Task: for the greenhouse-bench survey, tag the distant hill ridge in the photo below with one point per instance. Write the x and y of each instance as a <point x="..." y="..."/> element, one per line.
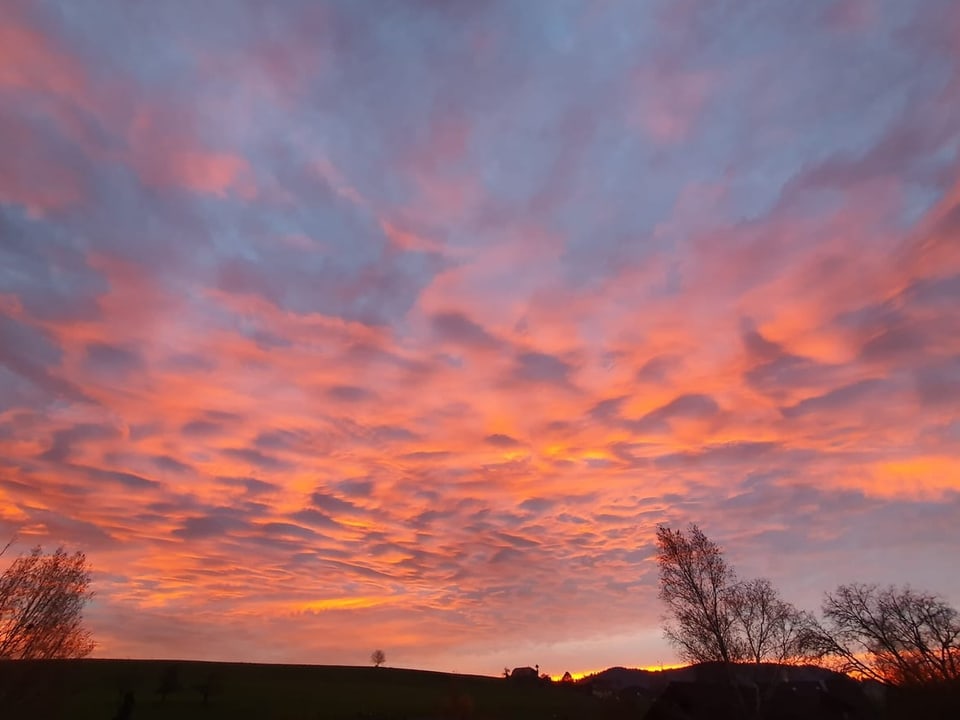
<point x="620" y="678"/>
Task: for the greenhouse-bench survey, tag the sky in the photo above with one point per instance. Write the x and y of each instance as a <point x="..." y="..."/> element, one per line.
<point x="333" y="326"/>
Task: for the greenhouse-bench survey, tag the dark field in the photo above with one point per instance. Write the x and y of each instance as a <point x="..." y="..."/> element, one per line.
<point x="95" y="689"/>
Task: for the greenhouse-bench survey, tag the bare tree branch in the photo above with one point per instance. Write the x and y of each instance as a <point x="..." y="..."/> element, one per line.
<point x="894" y="635"/>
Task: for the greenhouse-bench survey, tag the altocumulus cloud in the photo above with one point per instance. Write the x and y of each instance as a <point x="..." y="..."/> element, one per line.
<point x="406" y="328"/>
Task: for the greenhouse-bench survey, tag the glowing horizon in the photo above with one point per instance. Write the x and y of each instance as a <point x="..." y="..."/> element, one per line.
<point x="326" y="329"/>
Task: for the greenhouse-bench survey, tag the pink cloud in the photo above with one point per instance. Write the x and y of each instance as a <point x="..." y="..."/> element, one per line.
<point x="32" y="173"/>
<point x="29" y="61"/>
<point x="851" y="15"/>
<point x="669" y="102"/>
<point x="36" y="75"/>
<point x="164" y="154"/>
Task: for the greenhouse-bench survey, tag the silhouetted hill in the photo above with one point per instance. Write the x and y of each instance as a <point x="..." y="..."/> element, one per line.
<point x="99" y="690"/>
<point x="716" y="691"/>
<point x="620" y="678"/>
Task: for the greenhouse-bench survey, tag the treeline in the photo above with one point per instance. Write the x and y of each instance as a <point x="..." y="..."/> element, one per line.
<point x="893" y="635"/>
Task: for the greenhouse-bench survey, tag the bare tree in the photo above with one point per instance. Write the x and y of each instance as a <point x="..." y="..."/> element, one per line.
<point x="41" y="606"/>
<point x="378" y="658"/>
<point x="715" y="617"/>
<point x="767" y="627"/>
<point x="895" y="635"/>
<point x="696" y="585"/>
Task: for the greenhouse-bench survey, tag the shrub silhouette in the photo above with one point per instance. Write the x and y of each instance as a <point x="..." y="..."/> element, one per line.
<point x="125" y="711"/>
<point x="169" y="682"/>
<point x="210" y="686"/>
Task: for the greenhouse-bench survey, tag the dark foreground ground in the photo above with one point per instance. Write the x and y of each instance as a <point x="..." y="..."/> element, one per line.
<point x="131" y="690"/>
<point x="96" y="690"/>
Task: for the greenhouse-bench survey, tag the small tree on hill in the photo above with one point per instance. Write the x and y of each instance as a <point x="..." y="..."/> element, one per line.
<point x="378" y="658"/>
<point x="41" y="606"/>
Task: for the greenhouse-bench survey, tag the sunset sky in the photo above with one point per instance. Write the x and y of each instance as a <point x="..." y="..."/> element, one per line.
<point x="329" y="326"/>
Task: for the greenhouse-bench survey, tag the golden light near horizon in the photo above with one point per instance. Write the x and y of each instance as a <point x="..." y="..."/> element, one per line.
<point x="325" y="330"/>
<point x="580" y="675"/>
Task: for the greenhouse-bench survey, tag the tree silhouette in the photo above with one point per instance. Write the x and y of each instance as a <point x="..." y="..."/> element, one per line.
<point x="696" y="586"/>
<point x="41" y="606"/>
<point x="895" y="635"/>
<point x="715" y="617"/>
<point x="378" y="658"/>
<point x="767" y="627"/>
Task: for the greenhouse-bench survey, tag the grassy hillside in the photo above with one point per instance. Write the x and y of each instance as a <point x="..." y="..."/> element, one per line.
<point x="95" y="689"/>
